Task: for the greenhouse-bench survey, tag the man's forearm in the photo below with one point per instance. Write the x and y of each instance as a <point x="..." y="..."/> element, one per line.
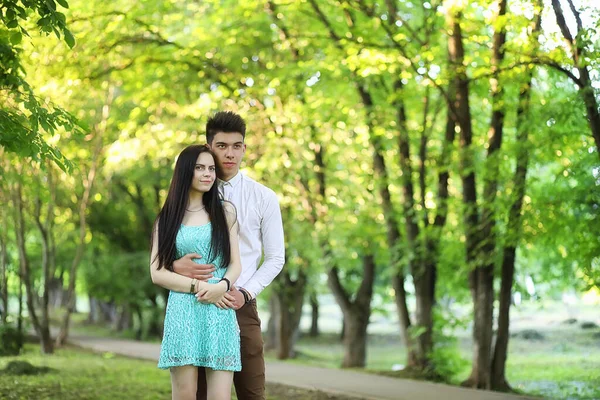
<point x="263" y="276"/>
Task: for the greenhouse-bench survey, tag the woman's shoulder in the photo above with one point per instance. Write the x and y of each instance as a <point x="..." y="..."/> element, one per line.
<point x="228" y="207"/>
<point x="230" y="212"/>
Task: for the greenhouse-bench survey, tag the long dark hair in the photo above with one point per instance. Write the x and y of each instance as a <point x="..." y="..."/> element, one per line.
<point x="171" y="215"/>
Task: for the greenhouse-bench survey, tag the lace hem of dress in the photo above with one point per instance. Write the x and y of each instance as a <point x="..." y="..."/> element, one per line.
<point x="229" y="363"/>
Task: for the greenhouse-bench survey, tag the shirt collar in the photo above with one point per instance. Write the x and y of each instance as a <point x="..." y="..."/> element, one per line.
<point x="233" y="181"/>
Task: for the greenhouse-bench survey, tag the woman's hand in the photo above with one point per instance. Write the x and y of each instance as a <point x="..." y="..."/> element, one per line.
<point x="211" y="292"/>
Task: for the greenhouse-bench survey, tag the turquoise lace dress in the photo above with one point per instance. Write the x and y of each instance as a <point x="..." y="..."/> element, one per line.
<point x="194" y="333"/>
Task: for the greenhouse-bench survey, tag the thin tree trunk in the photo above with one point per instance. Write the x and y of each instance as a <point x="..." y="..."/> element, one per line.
<point x="44" y="335"/>
<point x="271" y="336"/>
<point x="499" y="381"/>
<point x="421" y="272"/>
<point x="124" y="320"/>
<point x="94" y="311"/>
<point x="314" y="307"/>
<point x="83" y="205"/>
<point x="44" y="229"/>
<point x="140" y="328"/>
<point x="20" y="316"/>
<point x="393" y="234"/>
<point x="3" y="272"/>
<point x="155" y="327"/>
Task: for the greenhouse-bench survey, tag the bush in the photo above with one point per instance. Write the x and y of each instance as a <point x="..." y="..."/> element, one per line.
<point x="588" y="325"/>
<point x="529" y="334"/>
<point x="11" y="341"/>
<point x="446" y="356"/>
<point x="24" y="368"/>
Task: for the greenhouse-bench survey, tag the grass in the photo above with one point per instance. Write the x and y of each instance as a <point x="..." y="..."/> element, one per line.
<point x="83" y="375"/>
<point x="77" y="374"/>
<point x="564" y="365"/>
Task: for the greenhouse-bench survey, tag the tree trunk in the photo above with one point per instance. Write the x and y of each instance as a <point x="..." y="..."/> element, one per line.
<point x="44" y="229"/>
<point x="3" y="273"/>
<point x="55" y="292"/>
<point x="499" y="381"/>
<point x="404" y="319"/>
<point x="314" y="324"/>
<point x="356" y="313"/>
<point x="94" y="314"/>
<point x="42" y="332"/>
<point x="139" y="332"/>
<point x="124" y="319"/>
<point x="88" y="184"/>
<point x="155" y="326"/>
<point x="108" y="312"/>
<point x="393" y="234"/>
<point x="484" y="272"/>
<point x="355" y="339"/>
<point x="20" y="316"/>
<point x="479" y="278"/>
<point x="290" y="298"/>
<point x="421" y="272"/>
<point x="271" y="336"/>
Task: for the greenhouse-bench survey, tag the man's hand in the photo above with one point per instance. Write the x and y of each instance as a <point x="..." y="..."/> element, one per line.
<point x="234" y="299"/>
<point x="186" y="266"/>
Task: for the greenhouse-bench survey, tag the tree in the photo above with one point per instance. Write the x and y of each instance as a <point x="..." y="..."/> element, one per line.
<point x="577" y="45"/>
<point x="514" y="224"/>
<point x="22" y="132"/>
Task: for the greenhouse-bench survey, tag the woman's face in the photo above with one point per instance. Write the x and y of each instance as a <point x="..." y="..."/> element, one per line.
<point x="204" y="173"/>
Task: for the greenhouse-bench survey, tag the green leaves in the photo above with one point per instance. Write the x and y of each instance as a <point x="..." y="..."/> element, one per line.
<point x="69" y="38"/>
<point x="24" y="119"/>
<point x="15" y="38"/>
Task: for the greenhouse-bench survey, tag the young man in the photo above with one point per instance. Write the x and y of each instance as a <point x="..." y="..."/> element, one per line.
<point x="261" y="233"/>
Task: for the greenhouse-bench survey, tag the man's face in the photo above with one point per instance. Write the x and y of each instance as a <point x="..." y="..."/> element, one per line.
<point x="229" y="148"/>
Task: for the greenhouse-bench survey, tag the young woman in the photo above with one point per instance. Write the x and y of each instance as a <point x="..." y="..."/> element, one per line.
<point x="199" y="331"/>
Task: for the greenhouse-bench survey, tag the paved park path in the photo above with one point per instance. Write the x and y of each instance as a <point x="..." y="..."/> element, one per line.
<point x="348" y="383"/>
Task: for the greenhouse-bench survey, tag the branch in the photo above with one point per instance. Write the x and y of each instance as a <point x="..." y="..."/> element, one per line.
<point x="365" y="291"/>
<point x="577" y="16"/>
<point x="326" y="22"/>
<point x="539" y="61"/>
<point x="338" y="290"/>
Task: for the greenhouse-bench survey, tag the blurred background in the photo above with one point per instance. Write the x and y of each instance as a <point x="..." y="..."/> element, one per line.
<point x="436" y="163"/>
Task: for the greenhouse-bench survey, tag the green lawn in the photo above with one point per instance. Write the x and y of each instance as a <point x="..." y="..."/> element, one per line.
<point x="564" y="365"/>
<point x="78" y="374"/>
<point x="83" y="375"/>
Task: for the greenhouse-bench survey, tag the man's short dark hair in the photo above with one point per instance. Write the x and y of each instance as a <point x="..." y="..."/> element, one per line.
<point x="224" y="121"/>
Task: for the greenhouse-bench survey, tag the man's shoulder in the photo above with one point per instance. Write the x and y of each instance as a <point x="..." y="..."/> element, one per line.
<point x="258" y="187"/>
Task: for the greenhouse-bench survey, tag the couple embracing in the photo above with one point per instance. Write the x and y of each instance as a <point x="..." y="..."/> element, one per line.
<point x="213" y="231"/>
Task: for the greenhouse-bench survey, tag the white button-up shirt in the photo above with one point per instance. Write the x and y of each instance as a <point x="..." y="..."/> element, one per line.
<point x="261" y="231"/>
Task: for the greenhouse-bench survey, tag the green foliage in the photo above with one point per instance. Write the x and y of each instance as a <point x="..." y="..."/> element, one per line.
<point x="20" y="368"/>
<point x="24" y="118"/>
<point x="447" y="359"/>
<point x="145" y="76"/>
<point x="11" y="341"/>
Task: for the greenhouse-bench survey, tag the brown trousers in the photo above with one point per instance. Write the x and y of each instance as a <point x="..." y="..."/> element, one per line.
<point x="250" y="381"/>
